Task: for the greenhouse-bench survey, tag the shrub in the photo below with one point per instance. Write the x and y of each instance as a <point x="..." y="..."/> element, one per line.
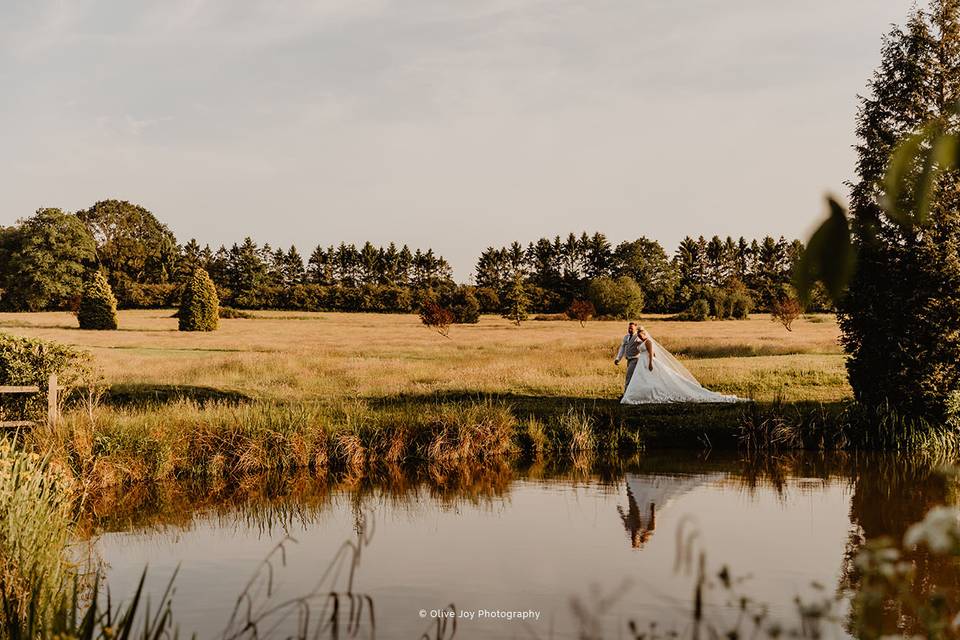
<point x="741" y="304"/>
<point x="581" y="310"/>
<point x="785" y="311"/>
<point x="98" y="306"/>
<point x="29" y="361"/>
<point x="199" y="306"/>
<point x="396" y="299"/>
<point x="488" y="299"/>
<point x="698" y="311"/>
<point x="231" y="313"/>
<point x="435" y="317"/>
<point x="464" y="306"/>
<point x="722" y="304"/>
<point x="150" y="296"/>
<point x="620" y="298"/>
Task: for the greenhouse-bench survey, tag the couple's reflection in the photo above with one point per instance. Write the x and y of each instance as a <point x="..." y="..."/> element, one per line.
<point x="649" y="494"/>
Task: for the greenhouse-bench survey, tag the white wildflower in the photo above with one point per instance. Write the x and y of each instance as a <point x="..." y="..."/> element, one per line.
<point x="939" y="530"/>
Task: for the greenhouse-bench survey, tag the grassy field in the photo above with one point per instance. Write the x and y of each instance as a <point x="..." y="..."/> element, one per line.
<point x="355" y="394"/>
<point x="335" y="356"/>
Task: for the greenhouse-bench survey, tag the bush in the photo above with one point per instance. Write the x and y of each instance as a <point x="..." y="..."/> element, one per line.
<point x="464" y="306"/>
<point x="230" y="313"/>
<point x="722" y="305"/>
<point x="98" y="307"/>
<point x="29" y="361"/>
<point x="785" y="311"/>
<point x="488" y="299"/>
<point x="581" y="310"/>
<point x="199" y="306"/>
<point x="698" y="311"/>
<point x="741" y="304"/>
<point x="150" y="296"/>
<point x="435" y="317"/>
<point x="396" y="299"/>
<point x="620" y="298"/>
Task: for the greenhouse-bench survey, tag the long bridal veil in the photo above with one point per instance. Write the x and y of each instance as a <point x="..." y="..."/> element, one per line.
<point x="665" y="359"/>
<point x="667" y="381"/>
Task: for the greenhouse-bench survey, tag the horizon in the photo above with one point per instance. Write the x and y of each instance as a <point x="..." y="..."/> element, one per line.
<point x="446" y="127"/>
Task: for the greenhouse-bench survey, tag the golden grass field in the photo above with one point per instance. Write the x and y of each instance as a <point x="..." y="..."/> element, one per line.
<point x="338" y="356"/>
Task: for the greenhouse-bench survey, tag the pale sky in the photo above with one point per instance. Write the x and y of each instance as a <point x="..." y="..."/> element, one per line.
<point x="451" y="124"/>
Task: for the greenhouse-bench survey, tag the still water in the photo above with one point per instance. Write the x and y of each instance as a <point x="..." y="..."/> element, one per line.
<point x="559" y="550"/>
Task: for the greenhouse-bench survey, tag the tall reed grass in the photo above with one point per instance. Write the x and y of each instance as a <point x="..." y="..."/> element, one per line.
<point x="36" y="572"/>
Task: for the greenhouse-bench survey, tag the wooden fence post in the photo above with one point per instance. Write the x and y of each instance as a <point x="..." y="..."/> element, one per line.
<point x="53" y="407"/>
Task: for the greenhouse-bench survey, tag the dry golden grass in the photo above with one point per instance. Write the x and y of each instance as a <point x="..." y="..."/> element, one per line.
<point x="337" y="356"/>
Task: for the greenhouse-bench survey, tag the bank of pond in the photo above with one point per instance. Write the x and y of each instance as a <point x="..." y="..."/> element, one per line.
<point x="121" y="441"/>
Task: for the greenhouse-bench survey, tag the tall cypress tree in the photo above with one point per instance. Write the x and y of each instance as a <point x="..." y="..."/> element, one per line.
<point x="901" y="315"/>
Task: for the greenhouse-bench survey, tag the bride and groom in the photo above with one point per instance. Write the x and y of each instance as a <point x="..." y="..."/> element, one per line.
<point x="654" y="376"/>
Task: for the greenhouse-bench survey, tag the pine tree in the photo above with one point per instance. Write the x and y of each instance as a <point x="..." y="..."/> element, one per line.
<point x="98" y="306"/>
<point x="900" y="317"/>
<point x="515" y="301"/>
<point x="199" y="306"/>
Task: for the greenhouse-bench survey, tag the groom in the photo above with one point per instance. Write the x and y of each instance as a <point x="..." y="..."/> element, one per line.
<point x="630" y="349"/>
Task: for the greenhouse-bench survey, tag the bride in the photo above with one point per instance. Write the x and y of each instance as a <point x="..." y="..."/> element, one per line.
<point x="659" y="378"/>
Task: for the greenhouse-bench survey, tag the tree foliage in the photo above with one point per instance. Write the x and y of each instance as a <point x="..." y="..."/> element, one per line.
<point x="199" y="305"/>
<point x="133" y="247"/>
<point x="581" y="310"/>
<point x="43" y="261"/>
<point x="900" y="316"/>
<point x="516" y="303"/>
<point x="98" y="306"/>
<point x="435" y="317"/>
<point x="621" y="298"/>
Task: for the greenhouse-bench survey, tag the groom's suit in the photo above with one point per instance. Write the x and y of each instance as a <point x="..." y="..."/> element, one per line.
<point x="630" y="348"/>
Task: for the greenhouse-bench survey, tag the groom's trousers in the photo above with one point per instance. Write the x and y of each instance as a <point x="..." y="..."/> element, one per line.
<point x="631" y="367"/>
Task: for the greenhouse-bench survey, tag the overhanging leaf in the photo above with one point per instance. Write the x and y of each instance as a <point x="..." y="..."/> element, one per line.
<point x="829" y="256"/>
<point x="931" y="152"/>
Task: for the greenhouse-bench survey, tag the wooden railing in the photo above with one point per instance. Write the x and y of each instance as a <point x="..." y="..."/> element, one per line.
<point x="53" y="407"/>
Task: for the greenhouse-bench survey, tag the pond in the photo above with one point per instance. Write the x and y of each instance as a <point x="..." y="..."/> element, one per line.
<point x="534" y="552"/>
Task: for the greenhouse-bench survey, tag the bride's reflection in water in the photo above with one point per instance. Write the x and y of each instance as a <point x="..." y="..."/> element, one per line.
<point x="648" y="494"/>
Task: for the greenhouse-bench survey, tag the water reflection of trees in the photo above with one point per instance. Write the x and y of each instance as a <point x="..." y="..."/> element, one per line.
<point x="889" y="495"/>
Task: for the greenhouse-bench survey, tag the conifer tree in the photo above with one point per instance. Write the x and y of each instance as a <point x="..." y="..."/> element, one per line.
<point x="901" y="315"/>
<point x="98" y="306"/>
<point x="199" y="306"/>
<point x="515" y="301"/>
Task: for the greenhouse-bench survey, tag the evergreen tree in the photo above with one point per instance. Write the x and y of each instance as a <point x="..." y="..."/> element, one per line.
<point x="199" y="306"/>
<point x="320" y="266"/>
<point x="191" y="257"/>
<point x="515" y="301"/>
<point x="900" y="317"/>
<point x="98" y="306"/>
<point x="293" y="271"/>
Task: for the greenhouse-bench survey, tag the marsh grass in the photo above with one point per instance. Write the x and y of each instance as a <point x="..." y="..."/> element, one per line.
<point x="35" y="527"/>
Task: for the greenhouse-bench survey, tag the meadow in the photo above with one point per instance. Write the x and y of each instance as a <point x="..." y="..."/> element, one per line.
<point x="328" y="357"/>
<point x="358" y="394"/>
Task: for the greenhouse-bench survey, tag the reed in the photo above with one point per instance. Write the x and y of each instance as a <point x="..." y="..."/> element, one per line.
<point x="35" y="528"/>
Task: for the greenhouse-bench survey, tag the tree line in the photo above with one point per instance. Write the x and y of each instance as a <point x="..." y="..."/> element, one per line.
<point x="46" y="259"/>
<point x="561" y="271"/>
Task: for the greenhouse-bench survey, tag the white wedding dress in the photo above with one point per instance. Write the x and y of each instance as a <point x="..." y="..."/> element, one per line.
<point x="668" y="382"/>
